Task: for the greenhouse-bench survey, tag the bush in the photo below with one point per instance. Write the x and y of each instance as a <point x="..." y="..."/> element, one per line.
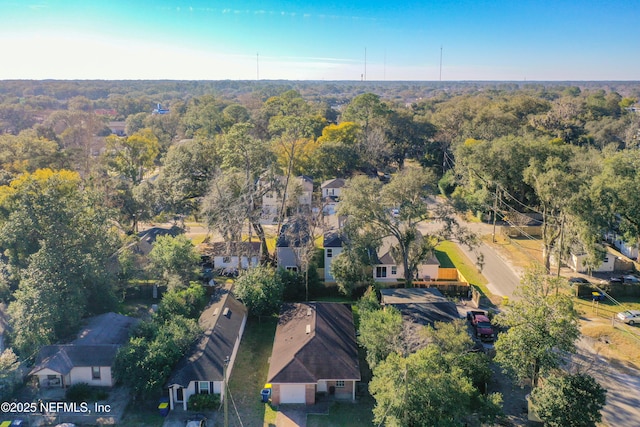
<point x="83" y="392"/>
<point x="203" y="402"/>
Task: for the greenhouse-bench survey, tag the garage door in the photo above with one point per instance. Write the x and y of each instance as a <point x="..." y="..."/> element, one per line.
<point x="292" y="393"/>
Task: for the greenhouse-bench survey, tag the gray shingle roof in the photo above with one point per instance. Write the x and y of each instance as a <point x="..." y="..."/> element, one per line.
<point x="107" y="328"/>
<point x="327" y="352"/>
<point x="205" y="362"/>
<point x="333" y="183"/>
<point x="96" y="345"/>
<point x="421" y="305"/>
<point x="62" y="358"/>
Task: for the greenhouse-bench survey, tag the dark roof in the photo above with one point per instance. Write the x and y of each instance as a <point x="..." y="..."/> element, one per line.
<point x="293" y="233"/>
<point x="333" y="183"/>
<point x="107" y="328"/>
<point x="421" y="305"/>
<point x="231" y="248"/>
<point x="62" y="358"/>
<point x="332" y="240"/>
<point x="205" y="362"/>
<point x="96" y="345"/>
<point x="328" y="351"/>
<point x="148" y="238"/>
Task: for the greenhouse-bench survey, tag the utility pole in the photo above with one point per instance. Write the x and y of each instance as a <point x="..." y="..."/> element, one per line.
<point x="365" y="64"/>
<point x="561" y="248"/>
<point x="495" y="215"/>
<point x="224" y="396"/>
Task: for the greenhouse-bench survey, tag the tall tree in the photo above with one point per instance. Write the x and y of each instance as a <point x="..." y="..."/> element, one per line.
<point x="422" y="390"/>
<point x="542" y="323"/>
<point x="368" y="205"/>
<point x="569" y="400"/>
<point x="58" y="240"/>
<point x="174" y="260"/>
<point x="260" y="289"/>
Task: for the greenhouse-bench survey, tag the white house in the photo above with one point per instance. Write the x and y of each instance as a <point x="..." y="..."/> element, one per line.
<point x="233" y="255"/>
<point x="300" y="188"/>
<point x="577" y="263"/>
<point x="202" y="370"/>
<point x="388" y="269"/>
<point x="89" y="358"/>
<point x="332" y="244"/>
<point x="331" y="190"/>
<point x="627" y="249"/>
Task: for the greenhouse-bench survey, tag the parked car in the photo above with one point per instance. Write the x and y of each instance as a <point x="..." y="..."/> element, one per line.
<point x="197" y="420"/>
<point x="481" y="325"/>
<point x="574" y="280"/>
<point x="630" y="278"/>
<point x="630" y="316"/>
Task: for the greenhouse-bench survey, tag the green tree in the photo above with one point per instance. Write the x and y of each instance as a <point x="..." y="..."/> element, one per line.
<point x="58" y="241"/>
<point x="174" y="260"/>
<point x="569" y="400"/>
<point x="418" y="390"/>
<point x="380" y="334"/>
<point x="260" y="289"/>
<point x="186" y="175"/>
<point x="131" y="156"/>
<point x="349" y="271"/>
<point x="369" y="206"/>
<point x="542" y="323"/>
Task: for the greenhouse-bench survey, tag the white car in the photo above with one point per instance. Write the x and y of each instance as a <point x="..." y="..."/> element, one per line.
<point x="630" y="316"/>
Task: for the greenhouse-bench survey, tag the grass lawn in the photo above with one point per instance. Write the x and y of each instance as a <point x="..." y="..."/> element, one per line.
<point x="142" y="415"/>
<point x="619" y="344"/>
<point x="250" y="374"/>
<point x="450" y="256"/>
<point x="345" y="414"/>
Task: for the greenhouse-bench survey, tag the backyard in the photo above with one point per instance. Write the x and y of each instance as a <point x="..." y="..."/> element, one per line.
<point x="250" y="374"/>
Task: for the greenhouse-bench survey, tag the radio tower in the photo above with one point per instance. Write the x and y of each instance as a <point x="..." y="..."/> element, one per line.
<point x="440" y="62"/>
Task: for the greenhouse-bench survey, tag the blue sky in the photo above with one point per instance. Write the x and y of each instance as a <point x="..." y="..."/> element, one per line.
<point x="303" y="40"/>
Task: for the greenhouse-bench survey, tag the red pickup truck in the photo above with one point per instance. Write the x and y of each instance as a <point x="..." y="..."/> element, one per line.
<point x="481" y="325"/>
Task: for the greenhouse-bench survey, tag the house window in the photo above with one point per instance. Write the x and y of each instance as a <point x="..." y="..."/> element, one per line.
<point x="226" y="259"/>
<point x="95" y="372"/>
<point x="203" y="387"/>
<point x="394" y="270"/>
<point x="381" y="271"/>
<point x="339" y="384"/>
<point x="329" y="253"/>
<point x="294" y="269"/>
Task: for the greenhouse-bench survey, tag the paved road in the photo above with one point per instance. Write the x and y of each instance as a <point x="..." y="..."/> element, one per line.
<point x="623" y="388"/>
<point x="503" y="278"/>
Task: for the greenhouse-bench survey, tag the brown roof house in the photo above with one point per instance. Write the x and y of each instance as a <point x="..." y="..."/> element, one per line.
<point x="314" y="351"/>
<point x="202" y="370"/>
<point x="89" y="358"/>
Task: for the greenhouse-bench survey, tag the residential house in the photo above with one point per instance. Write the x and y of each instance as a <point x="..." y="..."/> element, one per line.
<point x="419" y="307"/>
<point x="294" y="239"/>
<point x="422" y="305"/>
<point x="388" y="269"/>
<point x="577" y="262"/>
<point x="202" y="371"/>
<point x="314" y="351"/>
<point x="630" y="250"/>
<point x="299" y="197"/>
<point x="331" y="190"/>
<point x="332" y="244"/>
<point x="233" y="255"/>
<point x="89" y="358"/>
